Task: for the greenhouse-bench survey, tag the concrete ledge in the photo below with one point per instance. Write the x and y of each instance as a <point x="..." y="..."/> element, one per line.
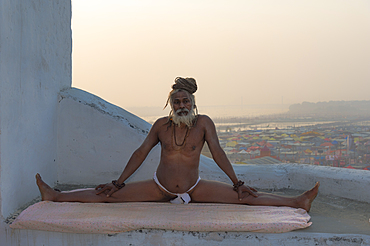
<point x="341" y="182"/>
<point x="104" y="107"/>
<point x="174" y="238"/>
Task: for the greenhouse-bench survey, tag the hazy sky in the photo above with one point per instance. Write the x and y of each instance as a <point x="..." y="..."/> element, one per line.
<point x="239" y="51"/>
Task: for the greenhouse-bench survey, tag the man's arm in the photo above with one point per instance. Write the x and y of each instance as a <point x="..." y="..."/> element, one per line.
<point x="220" y="157"/>
<point x="136" y="159"/>
<point x="217" y="152"/>
<point x="139" y="155"/>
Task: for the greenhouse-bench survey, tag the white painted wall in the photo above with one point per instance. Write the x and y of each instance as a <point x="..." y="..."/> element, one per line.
<point x="341" y="182"/>
<point x="35" y="64"/>
<point x="96" y="139"/>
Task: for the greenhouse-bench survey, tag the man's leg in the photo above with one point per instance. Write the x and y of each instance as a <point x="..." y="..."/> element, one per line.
<point x="143" y="191"/>
<point x="218" y="192"/>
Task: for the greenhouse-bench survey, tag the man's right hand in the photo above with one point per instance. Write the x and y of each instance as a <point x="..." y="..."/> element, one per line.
<point x="102" y="188"/>
<point x="244" y="191"/>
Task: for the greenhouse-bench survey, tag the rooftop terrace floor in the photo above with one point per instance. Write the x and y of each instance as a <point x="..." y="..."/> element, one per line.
<point x="331" y="214"/>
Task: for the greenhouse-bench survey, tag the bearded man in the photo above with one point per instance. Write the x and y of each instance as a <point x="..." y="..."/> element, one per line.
<point x="182" y="135"/>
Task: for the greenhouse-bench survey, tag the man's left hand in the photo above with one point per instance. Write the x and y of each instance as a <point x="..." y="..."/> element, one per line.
<point x="244" y="191"/>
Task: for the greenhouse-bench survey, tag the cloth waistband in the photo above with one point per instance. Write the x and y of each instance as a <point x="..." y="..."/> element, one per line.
<point x="182" y="198"/>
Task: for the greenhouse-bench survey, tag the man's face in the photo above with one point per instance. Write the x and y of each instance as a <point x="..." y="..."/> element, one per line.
<point x="181" y="103"/>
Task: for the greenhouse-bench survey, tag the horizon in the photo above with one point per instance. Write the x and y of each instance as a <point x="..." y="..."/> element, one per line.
<point x="151" y="113"/>
<point x="258" y="52"/>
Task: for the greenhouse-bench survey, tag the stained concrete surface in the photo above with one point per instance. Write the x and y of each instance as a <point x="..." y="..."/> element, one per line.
<point x="331" y="214"/>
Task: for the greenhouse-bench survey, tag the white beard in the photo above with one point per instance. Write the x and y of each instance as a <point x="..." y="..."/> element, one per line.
<point x="186" y="119"/>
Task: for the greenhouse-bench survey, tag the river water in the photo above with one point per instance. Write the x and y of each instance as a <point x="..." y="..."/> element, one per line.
<point x="266" y="126"/>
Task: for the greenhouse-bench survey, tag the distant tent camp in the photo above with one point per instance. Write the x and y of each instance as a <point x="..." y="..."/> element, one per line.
<point x="308" y="151"/>
<point x="261" y="143"/>
<point x="269" y="145"/>
<point x="327" y="144"/>
<point x="263" y="160"/>
<point x="231" y="144"/>
<point x="243" y="152"/>
<point x="310" y="133"/>
<point x="252" y="148"/>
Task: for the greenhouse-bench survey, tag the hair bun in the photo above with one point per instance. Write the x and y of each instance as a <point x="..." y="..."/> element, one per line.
<point x="188" y="84"/>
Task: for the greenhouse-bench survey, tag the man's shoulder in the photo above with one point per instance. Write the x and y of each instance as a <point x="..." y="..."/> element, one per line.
<point x="204" y="119"/>
<point x="162" y="120"/>
<point x="203" y="116"/>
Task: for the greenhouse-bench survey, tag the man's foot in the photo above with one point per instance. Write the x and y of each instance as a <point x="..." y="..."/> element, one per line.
<point x="305" y="200"/>
<point x="47" y="193"/>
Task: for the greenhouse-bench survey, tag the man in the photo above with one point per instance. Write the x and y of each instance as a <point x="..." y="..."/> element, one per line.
<point x="182" y="135"/>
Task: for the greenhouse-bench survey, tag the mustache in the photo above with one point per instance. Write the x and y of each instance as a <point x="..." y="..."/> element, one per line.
<point x="182" y="110"/>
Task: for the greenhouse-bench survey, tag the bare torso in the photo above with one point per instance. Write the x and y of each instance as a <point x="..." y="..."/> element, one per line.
<point x="178" y="169"/>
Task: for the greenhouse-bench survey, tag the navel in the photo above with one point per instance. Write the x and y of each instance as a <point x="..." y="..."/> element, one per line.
<point x="194" y="147"/>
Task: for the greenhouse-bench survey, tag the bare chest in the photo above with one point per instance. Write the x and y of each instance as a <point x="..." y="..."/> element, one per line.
<point x="182" y="139"/>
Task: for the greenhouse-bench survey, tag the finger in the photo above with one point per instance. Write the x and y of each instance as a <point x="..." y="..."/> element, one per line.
<point x="243" y="195"/>
<point x="99" y="186"/>
<point x="111" y="192"/>
<point x="252" y="193"/>
<point x="240" y="195"/>
<point x="102" y="190"/>
<point x="253" y="189"/>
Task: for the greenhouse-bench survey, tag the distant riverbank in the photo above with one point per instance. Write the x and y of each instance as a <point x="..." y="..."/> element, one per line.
<point x="268" y="125"/>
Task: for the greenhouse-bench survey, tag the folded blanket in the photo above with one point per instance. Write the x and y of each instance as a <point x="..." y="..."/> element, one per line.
<point x="120" y="217"/>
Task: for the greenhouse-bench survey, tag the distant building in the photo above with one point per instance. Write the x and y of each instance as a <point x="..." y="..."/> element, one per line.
<point x="265" y="151"/>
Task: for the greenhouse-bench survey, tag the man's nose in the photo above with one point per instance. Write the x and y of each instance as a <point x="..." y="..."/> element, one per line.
<point x="182" y="105"/>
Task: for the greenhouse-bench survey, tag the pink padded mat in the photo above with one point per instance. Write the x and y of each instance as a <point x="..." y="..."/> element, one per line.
<point x="120" y="217"/>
